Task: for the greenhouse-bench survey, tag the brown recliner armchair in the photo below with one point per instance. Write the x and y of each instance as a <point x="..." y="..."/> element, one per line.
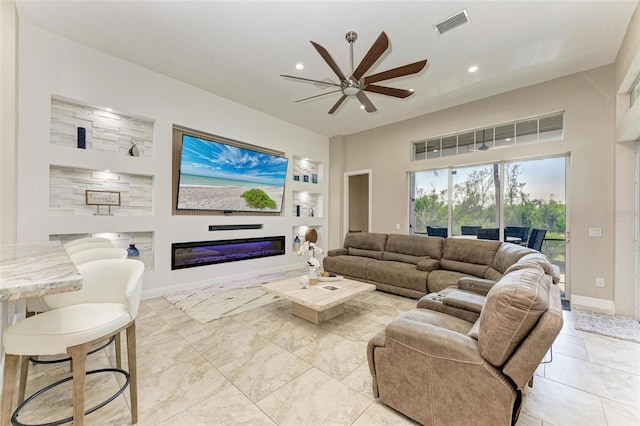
<point x="439" y="369"/>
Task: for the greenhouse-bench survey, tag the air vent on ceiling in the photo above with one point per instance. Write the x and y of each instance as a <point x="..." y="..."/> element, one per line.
<point x="452" y="22"/>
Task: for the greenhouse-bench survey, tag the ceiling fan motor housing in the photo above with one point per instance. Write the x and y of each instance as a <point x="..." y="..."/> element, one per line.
<point x="350" y="87"/>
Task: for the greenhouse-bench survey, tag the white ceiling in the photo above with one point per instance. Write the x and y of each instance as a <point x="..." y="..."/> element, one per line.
<point x="238" y="49"/>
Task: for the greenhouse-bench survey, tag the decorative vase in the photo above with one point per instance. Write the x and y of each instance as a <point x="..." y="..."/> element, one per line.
<point x="132" y="251"/>
<point x="313" y="276"/>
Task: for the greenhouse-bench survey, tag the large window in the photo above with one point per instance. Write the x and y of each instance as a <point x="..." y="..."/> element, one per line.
<point x="430" y="200"/>
<point x="474" y="201"/>
<point x="506" y="200"/>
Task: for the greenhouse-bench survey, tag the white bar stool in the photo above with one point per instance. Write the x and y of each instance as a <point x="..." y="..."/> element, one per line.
<point x="110" y="300"/>
<point x="89" y="246"/>
<point x="86" y="240"/>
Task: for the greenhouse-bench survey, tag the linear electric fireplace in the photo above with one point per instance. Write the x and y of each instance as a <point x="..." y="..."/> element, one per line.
<point x="199" y="253"/>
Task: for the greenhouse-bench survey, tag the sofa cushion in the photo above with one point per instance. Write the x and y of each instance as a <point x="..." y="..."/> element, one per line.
<point x="436" y="319"/>
<point x="492" y="274"/>
<point x="365" y="240"/>
<point x="428" y="265"/>
<point x="464" y="267"/>
<point x="440" y="279"/>
<point x="507" y="255"/>
<point x="373" y="254"/>
<point x="435" y="302"/>
<point x="350" y="266"/>
<point x="399" y="274"/>
<point x="540" y="260"/>
<point x="471" y="257"/>
<point x="400" y="257"/>
<point x="511" y="310"/>
<point x="337" y="252"/>
<point x="415" y="245"/>
<point x="481" y="252"/>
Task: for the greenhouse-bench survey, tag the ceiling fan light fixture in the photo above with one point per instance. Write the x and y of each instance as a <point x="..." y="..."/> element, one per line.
<point x="299" y="67"/>
<point x="350" y="90"/>
<point x="473" y="69"/>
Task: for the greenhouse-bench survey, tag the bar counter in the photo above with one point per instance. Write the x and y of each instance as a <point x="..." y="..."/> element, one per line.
<point x="32" y="269"/>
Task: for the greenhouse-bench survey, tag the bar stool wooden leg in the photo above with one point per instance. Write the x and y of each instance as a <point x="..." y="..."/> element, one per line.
<point x="9" y="382"/>
<point x="133" y="372"/>
<point x="24" y="369"/>
<point x="78" y="355"/>
<point x="118" y="351"/>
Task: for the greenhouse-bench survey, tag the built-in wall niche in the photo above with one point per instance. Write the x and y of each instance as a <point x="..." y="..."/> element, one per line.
<point x="307" y="204"/>
<point x="306" y="171"/>
<point x="143" y="241"/>
<point x="105" y="130"/>
<point x="300" y="231"/>
<point x="68" y="186"/>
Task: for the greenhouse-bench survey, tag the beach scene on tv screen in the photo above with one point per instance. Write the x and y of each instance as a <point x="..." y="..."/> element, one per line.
<point x="217" y="176"/>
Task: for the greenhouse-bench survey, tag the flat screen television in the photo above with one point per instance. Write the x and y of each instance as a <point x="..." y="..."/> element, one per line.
<point x="219" y="176"/>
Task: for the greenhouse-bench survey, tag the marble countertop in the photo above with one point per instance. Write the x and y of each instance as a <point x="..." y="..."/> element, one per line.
<point x="36" y="268"/>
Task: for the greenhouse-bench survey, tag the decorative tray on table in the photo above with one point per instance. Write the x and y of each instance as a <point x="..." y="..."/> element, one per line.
<point x="336" y="278"/>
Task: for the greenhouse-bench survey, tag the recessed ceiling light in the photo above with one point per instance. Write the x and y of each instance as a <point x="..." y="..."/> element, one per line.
<point x="361" y="106"/>
<point x="507" y="140"/>
<point x="299" y="66"/>
<point x="473" y="68"/>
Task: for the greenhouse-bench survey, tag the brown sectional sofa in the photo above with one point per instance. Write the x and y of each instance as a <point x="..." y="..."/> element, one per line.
<point x="487" y="315"/>
<point x="413" y="266"/>
<point x="440" y="369"/>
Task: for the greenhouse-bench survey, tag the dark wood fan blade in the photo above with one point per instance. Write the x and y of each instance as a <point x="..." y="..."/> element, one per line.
<point x="389" y="91"/>
<point x="317" y="96"/>
<point x="329" y="60"/>
<point x="396" y="72"/>
<point x="335" y="107"/>
<point x="377" y="49"/>
<point x="364" y="100"/>
<point x="326" y="83"/>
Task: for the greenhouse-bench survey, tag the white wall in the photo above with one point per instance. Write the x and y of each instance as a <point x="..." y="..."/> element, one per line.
<point x="51" y="65"/>
<point x="627" y="70"/>
<point x="8" y="119"/>
<point x="588" y="101"/>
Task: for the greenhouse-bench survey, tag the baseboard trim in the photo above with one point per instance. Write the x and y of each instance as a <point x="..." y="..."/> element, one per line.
<point x="607" y="306"/>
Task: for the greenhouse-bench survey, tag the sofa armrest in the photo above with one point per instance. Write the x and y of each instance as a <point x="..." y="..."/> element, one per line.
<point x="464" y="300"/>
<point x="338" y="252"/>
<point x="434" y="341"/>
<point x="475" y="285"/>
<point x="428" y="265"/>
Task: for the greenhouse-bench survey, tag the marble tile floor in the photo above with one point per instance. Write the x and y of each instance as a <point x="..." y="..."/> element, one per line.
<point x="265" y="367"/>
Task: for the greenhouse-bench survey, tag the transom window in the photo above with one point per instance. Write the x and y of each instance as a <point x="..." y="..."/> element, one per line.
<point x="543" y="128"/>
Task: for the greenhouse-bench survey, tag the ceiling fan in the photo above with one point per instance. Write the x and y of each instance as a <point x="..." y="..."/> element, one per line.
<point x="355" y="84"/>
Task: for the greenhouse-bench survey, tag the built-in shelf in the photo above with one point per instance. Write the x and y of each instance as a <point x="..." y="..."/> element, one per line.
<point x="95" y="149"/>
<point x="143" y="241"/>
<point x="105" y="130"/>
<point x="307" y="199"/>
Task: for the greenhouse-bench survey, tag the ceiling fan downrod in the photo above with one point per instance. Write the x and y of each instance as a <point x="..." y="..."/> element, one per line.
<point x="350" y="87"/>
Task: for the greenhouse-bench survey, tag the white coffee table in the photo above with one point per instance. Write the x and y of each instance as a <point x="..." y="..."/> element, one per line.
<point x="318" y="304"/>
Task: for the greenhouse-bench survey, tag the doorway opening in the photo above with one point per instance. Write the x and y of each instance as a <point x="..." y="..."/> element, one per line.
<point x="357" y="201"/>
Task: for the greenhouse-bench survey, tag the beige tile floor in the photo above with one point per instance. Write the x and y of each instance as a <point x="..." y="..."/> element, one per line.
<point x="265" y="367"/>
